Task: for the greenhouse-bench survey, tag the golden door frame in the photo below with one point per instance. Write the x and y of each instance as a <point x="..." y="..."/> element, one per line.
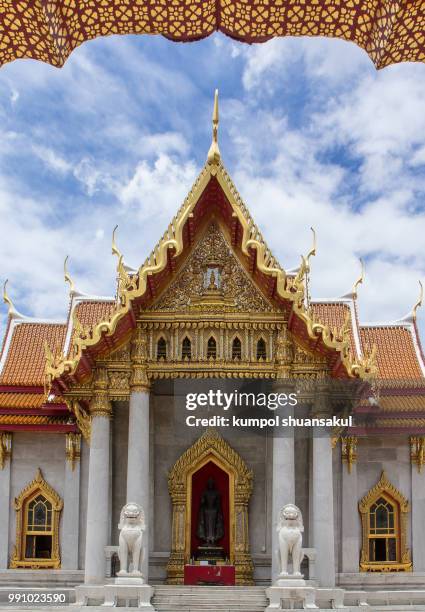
<point x="210" y="447"/>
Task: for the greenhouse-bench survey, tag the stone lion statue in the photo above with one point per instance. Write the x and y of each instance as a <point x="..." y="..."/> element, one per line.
<point x="290" y="528"/>
<point x="131" y="526"/>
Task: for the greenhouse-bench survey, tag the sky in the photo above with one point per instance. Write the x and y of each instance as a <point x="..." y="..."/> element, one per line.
<point x="310" y="132"/>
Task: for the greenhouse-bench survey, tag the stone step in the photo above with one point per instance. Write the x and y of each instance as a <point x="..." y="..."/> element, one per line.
<point x="169" y="598"/>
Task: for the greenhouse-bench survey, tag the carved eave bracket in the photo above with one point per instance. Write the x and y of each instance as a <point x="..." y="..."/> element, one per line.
<point x="349" y="451"/>
<point x="5" y="448"/>
<point x="417" y="451"/>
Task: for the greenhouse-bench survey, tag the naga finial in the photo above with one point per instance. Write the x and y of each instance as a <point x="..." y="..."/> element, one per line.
<point x="13" y="313"/>
<point x="67" y="275"/>
<point x="419" y="302"/>
<point x="214" y="152"/>
<point x="115" y="249"/>
<point x="312" y="251"/>
<point x="360" y="280"/>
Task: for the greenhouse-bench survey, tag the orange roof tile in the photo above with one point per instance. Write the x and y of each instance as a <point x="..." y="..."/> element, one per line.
<point x="25" y="360"/>
<point x="402" y="403"/>
<point x="25" y="400"/>
<point x="333" y="314"/>
<point x="396" y="356"/>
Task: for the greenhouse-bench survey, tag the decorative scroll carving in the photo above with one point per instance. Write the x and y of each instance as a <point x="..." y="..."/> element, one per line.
<point x="139" y="354"/>
<point x="73" y="448"/>
<point x="349" y="451"/>
<point x="100" y="404"/>
<point x="210" y="446"/>
<point x="417" y="451"/>
<point x="5" y="448"/>
<point x="235" y="284"/>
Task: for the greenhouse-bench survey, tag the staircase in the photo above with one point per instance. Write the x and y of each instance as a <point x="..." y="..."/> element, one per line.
<point x="209" y="599"/>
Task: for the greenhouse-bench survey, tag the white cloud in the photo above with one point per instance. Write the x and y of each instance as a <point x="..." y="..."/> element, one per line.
<point x="52" y="159"/>
<point x="332" y="144"/>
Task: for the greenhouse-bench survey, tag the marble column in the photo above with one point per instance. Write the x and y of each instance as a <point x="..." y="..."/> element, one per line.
<point x="71" y="503"/>
<point x="138" y="476"/>
<point x="417" y="446"/>
<point x="350" y="512"/>
<point x="97" y="533"/>
<point x="283" y="486"/>
<point x="138" y="482"/>
<point x="323" y="509"/>
<point x="5" y="501"/>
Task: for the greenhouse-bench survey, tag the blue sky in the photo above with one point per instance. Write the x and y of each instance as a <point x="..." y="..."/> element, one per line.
<point x="310" y="132"/>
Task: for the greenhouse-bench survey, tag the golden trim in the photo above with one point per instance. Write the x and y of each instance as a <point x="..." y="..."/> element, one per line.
<point x="5" y="448"/>
<point x="223" y="466"/>
<point x="360" y="280"/>
<point x="417" y="451"/>
<point x="349" y="451"/>
<point x="37" y="486"/>
<point x="73" y="448"/>
<point x="134" y="286"/>
<point x="384" y="488"/>
<point x="210" y="447"/>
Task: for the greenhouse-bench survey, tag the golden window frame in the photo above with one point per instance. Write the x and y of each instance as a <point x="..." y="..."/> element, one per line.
<point x="386" y="490"/>
<point x="36" y="487"/>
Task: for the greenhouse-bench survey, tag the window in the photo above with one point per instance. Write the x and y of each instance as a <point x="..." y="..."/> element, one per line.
<point x="38" y="510"/>
<point x="39" y="531"/>
<point x="211" y="348"/>
<point x="161" y="349"/>
<point x="236" y="349"/>
<point x="382" y="531"/>
<point x="186" y="348"/>
<point x="383" y="512"/>
<point x="261" y="349"/>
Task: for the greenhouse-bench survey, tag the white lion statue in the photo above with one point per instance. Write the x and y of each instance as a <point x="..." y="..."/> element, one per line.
<point x="290" y="528"/>
<point x="131" y="526"/>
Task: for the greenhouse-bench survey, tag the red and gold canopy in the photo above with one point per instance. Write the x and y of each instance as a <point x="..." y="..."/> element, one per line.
<point x="390" y="31"/>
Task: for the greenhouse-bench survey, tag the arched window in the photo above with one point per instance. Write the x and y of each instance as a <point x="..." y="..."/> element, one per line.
<point x="384" y="513"/>
<point x="161" y="349"/>
<point x="212" y="348"/>
<point x="37" y="526"/>
<point x="236" y="349"/>
<point x="186" y="348"/>
<point x="261" y="349"/>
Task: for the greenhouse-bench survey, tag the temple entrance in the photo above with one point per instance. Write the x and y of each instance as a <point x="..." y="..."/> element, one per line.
<point x="210" y="519"/>
<point x="210" y="486"/>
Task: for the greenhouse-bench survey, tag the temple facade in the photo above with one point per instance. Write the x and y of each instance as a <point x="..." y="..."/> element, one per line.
<point x="90" y="417"/>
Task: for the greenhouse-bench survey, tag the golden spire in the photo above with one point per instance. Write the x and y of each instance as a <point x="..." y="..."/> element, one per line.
<point x="359" y="281"/>
<point x="13" y="313"/>
<point x="67" y="276"/>
<point x="214" y="152"/>
<point x="419" y="302"/>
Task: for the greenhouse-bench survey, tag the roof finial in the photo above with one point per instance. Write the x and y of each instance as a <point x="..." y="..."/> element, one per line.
<point x="360" y="280"/>
<point x="13" y="313"/>
<point x="67" y="276"/>
<point x="419" y="302"/>
<point x="214" y="152"/>
<point x="312" y="251"/>
<point x="115" y="249"/>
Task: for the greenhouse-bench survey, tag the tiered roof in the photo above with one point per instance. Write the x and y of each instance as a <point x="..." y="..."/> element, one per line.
<point x="97" y="324"/>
